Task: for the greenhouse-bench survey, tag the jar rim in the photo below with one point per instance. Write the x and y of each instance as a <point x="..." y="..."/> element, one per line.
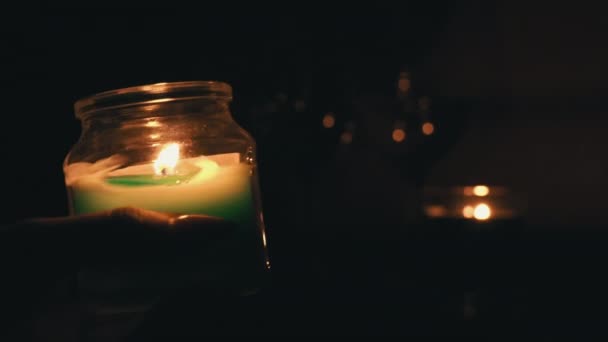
<point x="152" y="93"/>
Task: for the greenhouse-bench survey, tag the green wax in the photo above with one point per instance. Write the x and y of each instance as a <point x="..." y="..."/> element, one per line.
<point x="227" y="194"/>
<point x="237" y="208"/>
<point x="141" y="180"/>
<point x="146" y="180"/>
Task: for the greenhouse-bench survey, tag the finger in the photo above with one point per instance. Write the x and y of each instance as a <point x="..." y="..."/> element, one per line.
<point x="122" y="235"/>
<point x="129" y="219"/>
<point x="137" y="236"/>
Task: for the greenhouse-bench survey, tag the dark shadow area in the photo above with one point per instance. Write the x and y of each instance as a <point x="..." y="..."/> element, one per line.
<point x="515" y="95"/>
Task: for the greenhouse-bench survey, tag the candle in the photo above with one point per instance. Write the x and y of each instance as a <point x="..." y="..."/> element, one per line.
<point x="216" y="185"/>
<point x="211" y="185"/>
<point x="479" y="203"/>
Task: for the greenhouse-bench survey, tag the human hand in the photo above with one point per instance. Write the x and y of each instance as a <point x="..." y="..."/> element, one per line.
<point x="36" y="254"/>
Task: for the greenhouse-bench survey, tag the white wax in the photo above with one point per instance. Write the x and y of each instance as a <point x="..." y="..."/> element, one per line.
<point x="222" y="187"/>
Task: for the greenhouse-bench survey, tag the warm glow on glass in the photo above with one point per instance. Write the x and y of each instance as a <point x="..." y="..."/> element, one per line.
<point x="156" y="88"/>
<point x="468" y="211"/>
<point x="154" y="136"/>
<point x="346" y="137"/>
<point x="167" y="160"/>
<point x="152" y="123"/>
<point x="398" y="135"/>
<point x="328" y="120"/>
<point x="481" y="190"/>
<point x="435" y="211"/>
<point x="482" y="212"/>
<point x="428" y="128"/>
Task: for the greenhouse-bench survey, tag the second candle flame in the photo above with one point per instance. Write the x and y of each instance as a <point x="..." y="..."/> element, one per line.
<point x="167" y="160"/>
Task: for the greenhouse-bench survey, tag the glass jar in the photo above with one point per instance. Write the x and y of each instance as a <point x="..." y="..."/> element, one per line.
<point x="175" y="148"/>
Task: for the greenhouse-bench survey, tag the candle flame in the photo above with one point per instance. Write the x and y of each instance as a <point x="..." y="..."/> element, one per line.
<point x="482" y="212"/>
<point x="481" y="190"/>
<point x="167" y="160"/>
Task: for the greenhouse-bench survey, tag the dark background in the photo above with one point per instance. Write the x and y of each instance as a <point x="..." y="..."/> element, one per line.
<point x="518" y="97"/>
